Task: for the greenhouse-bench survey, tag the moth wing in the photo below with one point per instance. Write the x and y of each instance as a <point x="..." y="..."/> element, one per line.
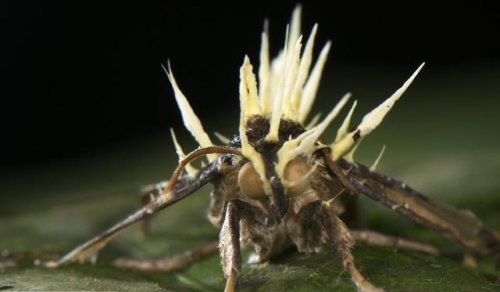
<point x="461" y="225"/>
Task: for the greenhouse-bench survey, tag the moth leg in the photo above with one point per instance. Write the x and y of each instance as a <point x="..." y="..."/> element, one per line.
<point x="229" y="247"/>
<point x="342" y="241"/>
<point x="171" y="263"/>
<point x="375" y="238"/>
<point x="183" y="187"/>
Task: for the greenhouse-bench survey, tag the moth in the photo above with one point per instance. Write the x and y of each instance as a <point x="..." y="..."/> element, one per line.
<point x="277" y="183"/>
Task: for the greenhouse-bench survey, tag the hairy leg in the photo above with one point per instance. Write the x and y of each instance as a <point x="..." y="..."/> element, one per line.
<point x="342" y="241"/>
<point x="229" y="247"/>
<point x="171" y="263"/>
<point x="375" y="238"/>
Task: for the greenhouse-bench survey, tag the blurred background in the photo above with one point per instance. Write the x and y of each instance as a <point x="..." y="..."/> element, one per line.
<point x="79" y="78"/>
<point x="86" y="106"/>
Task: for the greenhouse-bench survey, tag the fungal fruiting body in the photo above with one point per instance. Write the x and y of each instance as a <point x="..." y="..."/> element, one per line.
<point x="282" y="185"/>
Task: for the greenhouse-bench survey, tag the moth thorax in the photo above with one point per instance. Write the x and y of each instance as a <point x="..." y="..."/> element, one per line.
<point x="295" y="173"/>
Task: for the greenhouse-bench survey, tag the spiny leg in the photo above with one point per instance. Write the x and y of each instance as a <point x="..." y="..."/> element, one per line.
<point x="171" y="263"/>
<point x="375" y="238"/>
<point x="342" y="240"/>
<point x="229" y="247"/>
<point x="178" y="188"/>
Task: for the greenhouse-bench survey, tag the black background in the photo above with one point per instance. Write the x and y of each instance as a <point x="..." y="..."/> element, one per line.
<point x="78" y="76"/>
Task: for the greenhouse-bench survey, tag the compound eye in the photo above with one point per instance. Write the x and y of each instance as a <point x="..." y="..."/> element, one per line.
<point x="250" y="183"/>
<point x="295" y="173"/>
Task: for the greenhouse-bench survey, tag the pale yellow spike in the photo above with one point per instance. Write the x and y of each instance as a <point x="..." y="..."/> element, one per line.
<point x="304" y="143"/>
<point x="371" y="120"/>
<point x="248" y="90"/>
<point x="312" y="84"/>
<point x="379" y="157"/>
<point x="178" y="149"/>
<point x="307" y="145"/>
<point x="305" y="64"/>
<point x="349" y="157"/>
<point x="295" y="27"/>
<point x="375" y="117"/>
<point x="344" y="128"/>
<point x="279" y="76"/>
<point x="245" y="105"/>
<point x="223" y="139"/>
<point x="191" y="121"/>
<point x="314" y="121"/>
<point x="292" y="73"/>
<point x="264" y="72"/>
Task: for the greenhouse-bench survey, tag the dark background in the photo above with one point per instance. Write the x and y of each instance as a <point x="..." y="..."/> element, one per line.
<point x="78" y="77"/>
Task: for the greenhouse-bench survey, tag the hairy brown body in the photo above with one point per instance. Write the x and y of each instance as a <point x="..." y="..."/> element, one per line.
<point x="301" y="225"/>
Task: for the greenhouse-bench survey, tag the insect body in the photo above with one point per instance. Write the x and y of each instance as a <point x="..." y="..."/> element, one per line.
<point x="277" y="184"/>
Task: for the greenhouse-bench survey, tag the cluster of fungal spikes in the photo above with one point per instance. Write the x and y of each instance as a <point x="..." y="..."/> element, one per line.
<point x="286" y="90"/>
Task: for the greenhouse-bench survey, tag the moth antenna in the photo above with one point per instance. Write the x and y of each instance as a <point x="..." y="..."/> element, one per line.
<point x="344" y="128"/>
<point x="191" y="121"/>
<point x="312" y="84"/>
<point x="222" y="138"/>
<point x="371" y="120"/>
<point x="178" y="149"/>
<point x="314" y="121"/>
<point x="265" y="71"/>
<point x="379" y="157"/>
<point x="194" y="155"/>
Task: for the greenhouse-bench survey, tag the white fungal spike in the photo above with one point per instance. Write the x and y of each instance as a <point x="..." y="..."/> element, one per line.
<point x="287" y="89"/>
<point x="311" y="87"/>
<point x="344" y="128"/>
<point x="290" y="82"/>
<point x="304" y="144"/>
<point x="305" y="64"/>
<point x="191" y="121"/>
<point x="379" y="157"/>
<point x="280" y="66"/>
<point x="349" y="157"/>
<point x="249" y="106"/>
<point x="307" y="144"/>
<point x="224" y="139"/>
<point x="178" y="149"/>
<point x="248" y="90"/>
<point x="314" y="121"/>
<point x="374" y="118"/>
<point x="371" y="120"/>
<point x="264" y="73"/>
<point x="295" y="25"/>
